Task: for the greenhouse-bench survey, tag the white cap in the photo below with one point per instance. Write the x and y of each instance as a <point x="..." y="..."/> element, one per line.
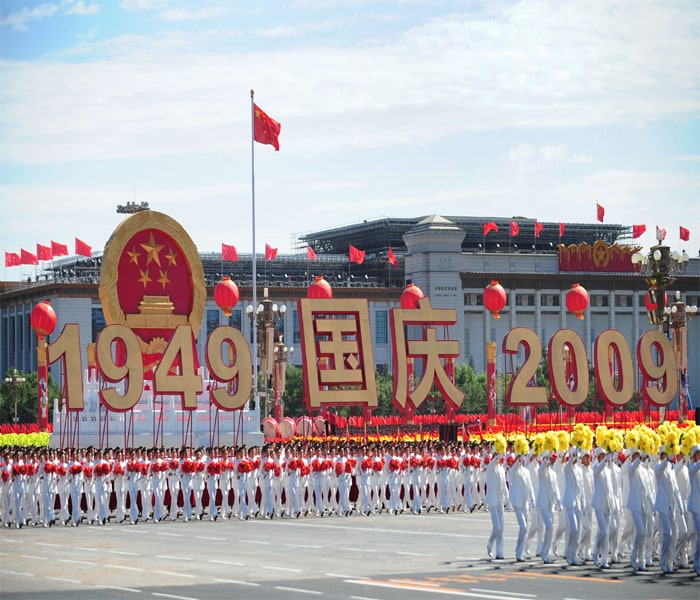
<point x="600" y="450"/>
<point x="663" y="450"/>
<point x="694" y="449"/>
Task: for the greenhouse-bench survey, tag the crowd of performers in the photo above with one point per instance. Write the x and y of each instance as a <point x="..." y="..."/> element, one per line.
<point x="633" y="494"/>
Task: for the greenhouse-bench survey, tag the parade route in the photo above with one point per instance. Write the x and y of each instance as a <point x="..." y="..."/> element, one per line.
<point x="380" y="557"/>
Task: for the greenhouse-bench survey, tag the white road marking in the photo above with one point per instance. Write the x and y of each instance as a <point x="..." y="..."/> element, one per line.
<point x="65" y="579"/>
<point x="126" y="568"/>
<point x="516" y="594"/>
<point x="76" y="562"/>
<point x="175" y="574"/>
<point x="162" y="595"/>
<point x="33" y="557"/>
<point x="124" y="553"/>
<point x="119" y="589"/>
<point x="299" y="590"/>
<point x="227" y="562"/>
<point x="237" y="582"/>
<point x="168" y="557"/>
<point x="281" y="568"/>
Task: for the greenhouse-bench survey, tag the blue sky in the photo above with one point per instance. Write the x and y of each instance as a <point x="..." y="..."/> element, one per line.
<point x="388" y="108"/>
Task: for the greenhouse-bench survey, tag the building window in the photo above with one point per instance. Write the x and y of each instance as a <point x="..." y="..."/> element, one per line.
<point x="212" y="320"/>
<point x="623" y="301"/>
<point x="524" y="300"/>
<point x="98" y="322"/>
<point x="381" y="334"/>
<point x="600" y="300"/>
<point x="473" y="299"/>
<point x="296" y="338"/>
<point x="235" y="320"/>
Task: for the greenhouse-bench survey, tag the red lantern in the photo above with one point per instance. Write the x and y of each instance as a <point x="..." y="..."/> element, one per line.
<point x="577" y="300"/>
<point x="43" y="319"/>
<point x="494" y="298"/>
<point x="320" y="288"/>
<point x="411" y="295"/>
<point x="226" y="295"/>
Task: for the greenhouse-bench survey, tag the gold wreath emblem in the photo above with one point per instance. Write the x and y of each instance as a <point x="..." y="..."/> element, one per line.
<point x="601" y="254"/>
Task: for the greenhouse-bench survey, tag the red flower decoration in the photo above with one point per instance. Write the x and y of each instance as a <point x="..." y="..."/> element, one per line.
<point x="377" y="465"/>
<point x="339" y="468"/>
<point x="394" y="465"/>
<point x="76" y="469"/>
<point x="118" y="469"/>
<point x="5" y="476"/>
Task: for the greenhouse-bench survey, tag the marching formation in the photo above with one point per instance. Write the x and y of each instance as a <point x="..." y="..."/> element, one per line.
<point x="570" y="497"/>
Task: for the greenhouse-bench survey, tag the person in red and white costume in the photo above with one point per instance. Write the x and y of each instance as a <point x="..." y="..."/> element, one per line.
<point x="694" y="502"/>
<point x="100" y="474"/>
<point x="119" y="482"/>
<point x="173" y="479"/>
<point x="212" y="473"/>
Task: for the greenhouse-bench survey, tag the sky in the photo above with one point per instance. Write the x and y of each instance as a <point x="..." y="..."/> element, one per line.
<point x="396" y="108"/>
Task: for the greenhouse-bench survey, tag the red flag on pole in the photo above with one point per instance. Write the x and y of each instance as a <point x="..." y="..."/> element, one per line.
<point x="514" y="229"/>
<point x="356" y="255"/>
<point x="600" y="212"/>
<point x="489" y="227"/>
<point x="58" y="249"/>
<point x="562" y="228"/>
<point x="638" y="230"/>
<point x="12" y="259"/>
<point x="685" y="234"/>
<point x="228" y="252"/>
<point x="265" y="129"/>
<point x="392" y="258"/>
<point x="27" y="258"/>
<point x="660" y="233"/>
<point x="82" y="249"/>
<point x="538" y="228"/>
<point x="310" y="254"/>
<point x="43" y="252"/>
<point x="270" y="252"/>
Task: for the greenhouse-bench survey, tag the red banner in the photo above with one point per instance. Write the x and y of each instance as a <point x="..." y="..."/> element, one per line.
<point x="598" y="257"/>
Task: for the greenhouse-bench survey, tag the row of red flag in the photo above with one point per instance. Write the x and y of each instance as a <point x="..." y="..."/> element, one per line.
<point x="355" y="255"/>
<point x="55" y="250"/>
<point x="637" y="230"/>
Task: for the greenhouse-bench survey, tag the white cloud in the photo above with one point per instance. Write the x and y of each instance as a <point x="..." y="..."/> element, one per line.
<point x="79" y="8"/>
<point x="184" y="14"/>
<point x="688" y="158"/>
<point x="18" y="20"/>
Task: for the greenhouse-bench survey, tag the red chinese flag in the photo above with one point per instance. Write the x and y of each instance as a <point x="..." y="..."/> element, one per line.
<point x="685" y="234"/>
<point x="228" y="252"/>
<point x="562" y="228"/>
<point x="660" y="233"/>
<point x="27" y="258"/>
<point x="638" y="230"/>
<point x="310" y="254"/>
<point x="82" y="249"/>
<point x="538" y="228"/>
<point x="489" y="227"/>
<point x="514" y="229"/>
<point x="270" y="252"/>
<point x="43" y="252"/>
<point x="12" y="259"/>
<point x="58" y="249"/>
<point x="600" y="212"/>
<point x="392" y="258"/>
<point x="265" y="129"/>
<point x="356" y="255"/>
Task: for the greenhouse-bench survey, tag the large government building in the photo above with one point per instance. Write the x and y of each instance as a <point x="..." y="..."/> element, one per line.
<point x="450" y="258"/>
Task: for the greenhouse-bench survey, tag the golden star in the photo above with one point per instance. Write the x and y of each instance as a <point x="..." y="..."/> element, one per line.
<point x="133" y="256"/>
<point x="145" y="279"/>
<point x="152" y="250"/>
<point x="172" y="257"/>
<point x="163" y="279"/>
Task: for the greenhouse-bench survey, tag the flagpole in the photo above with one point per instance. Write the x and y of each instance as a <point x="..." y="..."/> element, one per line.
<point x="255" y="273"/>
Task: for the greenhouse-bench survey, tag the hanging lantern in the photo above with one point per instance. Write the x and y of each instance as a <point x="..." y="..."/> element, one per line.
<point x="320" y="288"/>
<point x="411" y="295"/>
<point x="577" y="300"/>
<point x="226" y="295"/>
<point x="494" y="298"/>
<point x="43" y="319"/>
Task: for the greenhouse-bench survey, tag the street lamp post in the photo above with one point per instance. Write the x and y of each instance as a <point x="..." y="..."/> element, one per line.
<point x="264" y="316"/>
<point x="679" y="314"/>
<point x="659" y="269"/>
<point x="15" y="380"/>
<point x="281" y="352"/>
